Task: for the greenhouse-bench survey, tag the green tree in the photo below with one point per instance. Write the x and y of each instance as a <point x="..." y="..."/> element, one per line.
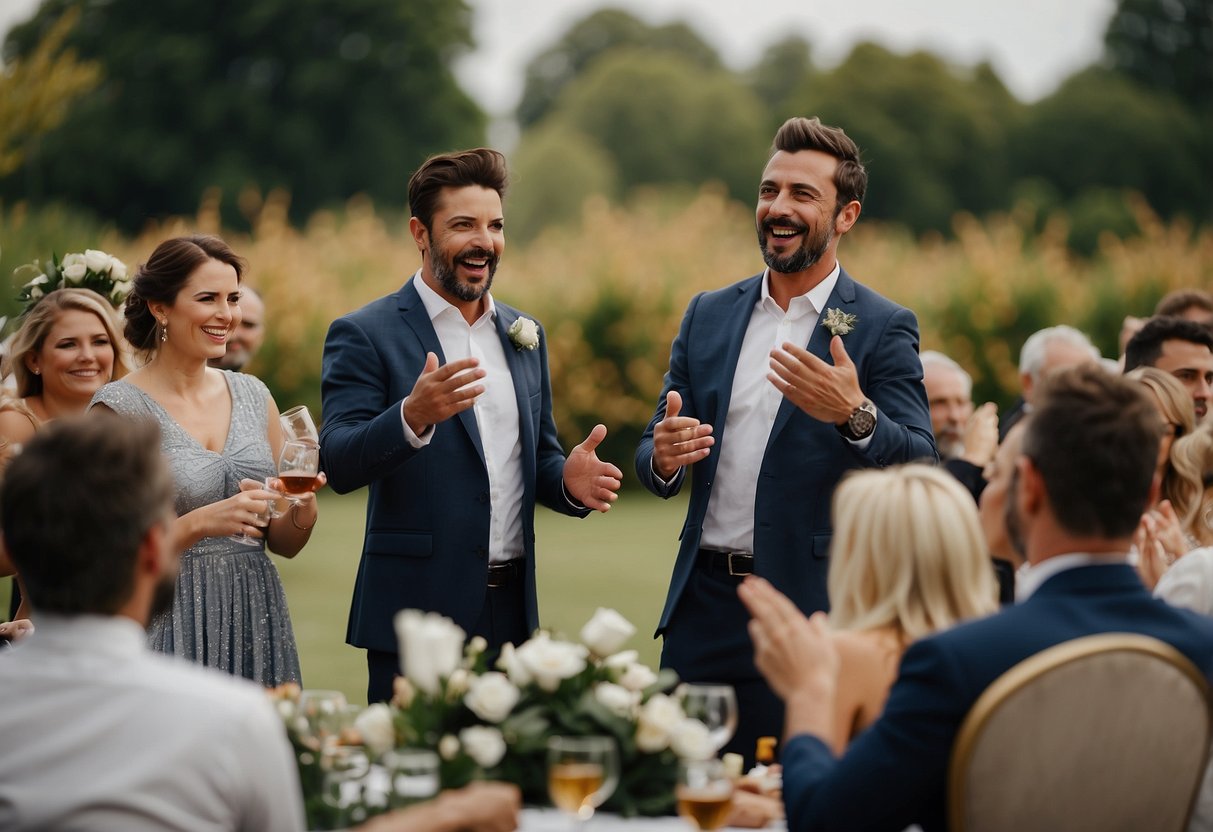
<point x="785" y="67"/>
<point x="663" y="119"/>
<point x="553" y="171"/>
<point x="602" y="32"/>
<point x="323" y="99"/>
<point x="933" y="137"/>
<point x="1166" y="45"/>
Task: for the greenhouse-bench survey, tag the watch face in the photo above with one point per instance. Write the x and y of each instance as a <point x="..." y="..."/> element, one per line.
<point x="862" y="422"/>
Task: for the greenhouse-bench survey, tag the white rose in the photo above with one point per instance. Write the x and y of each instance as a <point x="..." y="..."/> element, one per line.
<point x="476" y="646"/>
<point x="606" y="632"/>
<point x="122" y="288"/>
<point x="448" y="747"/>
<point x="35" y="292"/>
<point x="691" y="740"/>
<point x="617" y="699"/>
<point x="457" y="684"/>
<point x="659" y="719"/>
<point x="524" y="333"/>
<point x="74" y="273"/>
<point x="40" y="280"/>
<point x="637" y="677"/>
<point x="622" y="660"/>
<point x="117" y="269"/>
<point x="376" y="728"/>
<point x="483" y="744"/>
<point x="71" y="260"/>
<point x="513" y="666"/>
<point x="550" y="662"/>
<point x="97" y="261"/>
<point x="431" y="648"/>
<point x="491" y="696"/>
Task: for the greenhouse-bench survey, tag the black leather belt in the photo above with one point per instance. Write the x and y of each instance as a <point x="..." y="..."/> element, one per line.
<point x="505" y="573"/>
<point x="737" y="564"/>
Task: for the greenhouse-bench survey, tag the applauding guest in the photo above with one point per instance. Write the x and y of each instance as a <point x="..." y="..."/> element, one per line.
<point x="438" y="398"/>
<point x="220" y="432"/>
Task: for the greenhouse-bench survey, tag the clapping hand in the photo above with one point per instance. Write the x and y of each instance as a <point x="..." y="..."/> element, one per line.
<point x="587" y="478"/>
<point x="826" y="392"/>
<point x="441" y="392"/>
<point x="793" y="652"/>
<point x="679" y="440"/>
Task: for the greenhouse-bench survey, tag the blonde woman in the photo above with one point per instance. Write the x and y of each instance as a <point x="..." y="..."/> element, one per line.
<point x="908" y="559"/>
<point x="66" y="348"/>
<point x="1179" y="470"/>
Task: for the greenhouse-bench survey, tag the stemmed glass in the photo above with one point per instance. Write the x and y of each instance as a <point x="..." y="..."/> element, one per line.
<point x="715" y="706"/>
<point x="705" y="793"/>
<point x="298" y="426"/>
<point x="582" y="774"/>
<point x="414" y="776"/>
<point x="263" y="519"/>
<point x="326" y="712"/>
<point x="298" y="468"/>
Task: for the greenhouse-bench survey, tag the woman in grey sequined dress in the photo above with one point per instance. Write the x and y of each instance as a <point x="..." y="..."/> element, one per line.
<point x="220" y="432"/>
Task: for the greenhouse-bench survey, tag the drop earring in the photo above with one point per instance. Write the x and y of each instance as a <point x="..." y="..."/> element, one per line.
<point x="163" y="331"/>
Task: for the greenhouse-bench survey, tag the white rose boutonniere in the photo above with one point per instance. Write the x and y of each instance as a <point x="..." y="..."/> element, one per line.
<point x="839" y="322"/>
<point x="524" y="334"/>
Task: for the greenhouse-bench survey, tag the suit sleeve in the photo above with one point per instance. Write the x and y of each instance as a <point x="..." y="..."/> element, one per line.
<point x="892" y="379"/>
<point x="892" y="775"/>
<point x="549" y="463"/>
<point x="362" y="438"/>
<point x="678" y="378"/>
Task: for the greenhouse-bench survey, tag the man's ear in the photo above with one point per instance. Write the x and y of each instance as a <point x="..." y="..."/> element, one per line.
<point x="421" y="234"/>
<point x="1032" y="494"/>
<point x="155" y="555"/>
<point x="847" y="217"/>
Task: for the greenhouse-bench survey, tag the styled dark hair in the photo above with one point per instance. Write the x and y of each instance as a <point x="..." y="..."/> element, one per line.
<point x="1094" y="438"/>
<point x="479" y="166"/>
<point x="1181" y="300"/>
<point x="75" y="506"/>
<point x="1145" y="347"/>
<point x="161" y="278"/>
<point x="850" y="178"/>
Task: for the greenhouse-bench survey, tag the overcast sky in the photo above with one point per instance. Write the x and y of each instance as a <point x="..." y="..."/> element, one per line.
<point x="1033" y="44"/>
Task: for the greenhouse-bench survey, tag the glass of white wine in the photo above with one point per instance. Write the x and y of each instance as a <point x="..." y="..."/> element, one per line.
<point x="704" y="793"/>
<point x="582" y="774"/>
<point x="298" y="425"/>
<point x="298" y="468"/>
<point x="715" y="706"/>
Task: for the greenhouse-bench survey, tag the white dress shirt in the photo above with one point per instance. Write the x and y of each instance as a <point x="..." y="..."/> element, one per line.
<point x="496" y="411"/>
<point x="102" y="734"/>
<point x="729" y="523"/>
<point x="1030" y="577"/>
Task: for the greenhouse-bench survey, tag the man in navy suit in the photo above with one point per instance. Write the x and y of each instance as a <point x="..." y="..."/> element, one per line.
<point x="777" y="386"/>
<point x="438" y="398"/>
<point x="1084" y="474"/>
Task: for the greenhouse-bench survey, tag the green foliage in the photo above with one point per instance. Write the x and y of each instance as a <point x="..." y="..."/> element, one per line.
<point x="328" y="99"/>
<point x="600" y="33"/>
<point x="1166" y="45"/>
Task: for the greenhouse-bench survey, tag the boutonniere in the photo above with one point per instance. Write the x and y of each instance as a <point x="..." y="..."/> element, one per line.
<point x="524" y="334"/>
<point x="839" y="322"/>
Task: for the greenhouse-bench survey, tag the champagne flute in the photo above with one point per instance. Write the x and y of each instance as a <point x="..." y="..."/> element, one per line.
<point x="582" y="774"/>
<point x="297" y="425"/>
<point x="704" y="793"/>
<point x="298" y="469"/>
<point x="715" y="706"/>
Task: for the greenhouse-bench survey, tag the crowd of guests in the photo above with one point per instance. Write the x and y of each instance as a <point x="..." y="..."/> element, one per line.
<point x="1094" y="485"/>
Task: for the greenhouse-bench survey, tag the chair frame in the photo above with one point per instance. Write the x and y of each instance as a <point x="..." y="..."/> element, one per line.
<point x="1039" y="665"/>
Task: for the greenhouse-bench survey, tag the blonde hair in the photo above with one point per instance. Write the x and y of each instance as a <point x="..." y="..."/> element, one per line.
<point x="37" y="323"/>
<point x="908" y="553"/>
<point x="1182" y="480"/>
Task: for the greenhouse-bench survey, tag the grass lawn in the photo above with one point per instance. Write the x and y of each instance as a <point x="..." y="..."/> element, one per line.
<point x="621" y="559"/>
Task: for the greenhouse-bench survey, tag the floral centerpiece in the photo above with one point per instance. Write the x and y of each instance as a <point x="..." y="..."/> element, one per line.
<point x="103" y="273"/>
<point x="494" y="722"/>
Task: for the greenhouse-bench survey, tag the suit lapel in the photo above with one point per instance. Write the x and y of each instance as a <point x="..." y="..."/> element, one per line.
<point x="842" y="297"/>
<point x="418" y="320"/>
<point x="515" y="360"/>
<point x="735" y="327"/>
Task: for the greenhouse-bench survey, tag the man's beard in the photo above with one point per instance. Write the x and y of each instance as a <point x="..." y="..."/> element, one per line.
<point x="444" y="271"/>
<point x="162" y="595"/>
<point x="810" y="251"/>
<point x="950" y="446"/>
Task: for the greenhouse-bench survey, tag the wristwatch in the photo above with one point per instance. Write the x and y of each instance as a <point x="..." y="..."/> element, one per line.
<point x="861" y="422"/>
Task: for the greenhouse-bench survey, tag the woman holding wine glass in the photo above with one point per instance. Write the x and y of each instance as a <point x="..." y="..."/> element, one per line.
<point x="221" y="433"/>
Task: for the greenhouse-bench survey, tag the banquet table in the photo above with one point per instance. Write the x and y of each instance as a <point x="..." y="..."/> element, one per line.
<point x="553" y="820"/>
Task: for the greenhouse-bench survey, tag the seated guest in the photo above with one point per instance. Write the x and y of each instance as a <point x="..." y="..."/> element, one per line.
<point x="100" y="732"/>
<point x="1193" y="304"/>
<point x="1180" y="347"/>
<point x="966" y="437"/>
<point x="1045" y="352"/>
<point x="1074" y="507"/>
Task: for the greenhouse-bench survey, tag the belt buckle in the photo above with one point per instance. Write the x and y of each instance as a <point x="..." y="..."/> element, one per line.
<point x="740" y="558"/>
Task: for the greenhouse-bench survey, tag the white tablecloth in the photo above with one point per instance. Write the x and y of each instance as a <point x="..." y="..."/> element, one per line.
<point x="553" y="820"/>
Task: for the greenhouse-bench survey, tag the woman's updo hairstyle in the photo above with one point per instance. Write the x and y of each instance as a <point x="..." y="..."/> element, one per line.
<point x="161" y="278"/>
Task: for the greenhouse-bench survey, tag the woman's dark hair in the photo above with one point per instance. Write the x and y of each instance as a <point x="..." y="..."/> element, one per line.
<point x="161" y="278"/>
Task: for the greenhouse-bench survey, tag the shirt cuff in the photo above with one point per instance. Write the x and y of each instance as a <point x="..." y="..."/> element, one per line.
<point x="413" y="439"/>
<point x="573" y="502"/>
<point x="664" y="483"/>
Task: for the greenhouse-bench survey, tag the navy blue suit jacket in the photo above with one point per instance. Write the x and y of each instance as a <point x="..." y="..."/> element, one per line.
<point x="895" y="773"/>
<point x="804" y="457"/>
<point x="427" y="519"/>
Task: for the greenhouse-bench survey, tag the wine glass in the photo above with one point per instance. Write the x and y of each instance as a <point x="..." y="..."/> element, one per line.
<point x="297" y="425"/>
<point x="298" y="468"/>
<point x="704" y="793"/>
<point x="326" y="712"/>
<point x="715" y="706"/>
<point x="582" y="774"/>
<point x="263" y="519"/>
<point x="414" y="776"/>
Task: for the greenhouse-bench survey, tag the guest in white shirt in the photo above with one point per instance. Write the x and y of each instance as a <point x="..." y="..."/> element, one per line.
<point x="99" y="732"/>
